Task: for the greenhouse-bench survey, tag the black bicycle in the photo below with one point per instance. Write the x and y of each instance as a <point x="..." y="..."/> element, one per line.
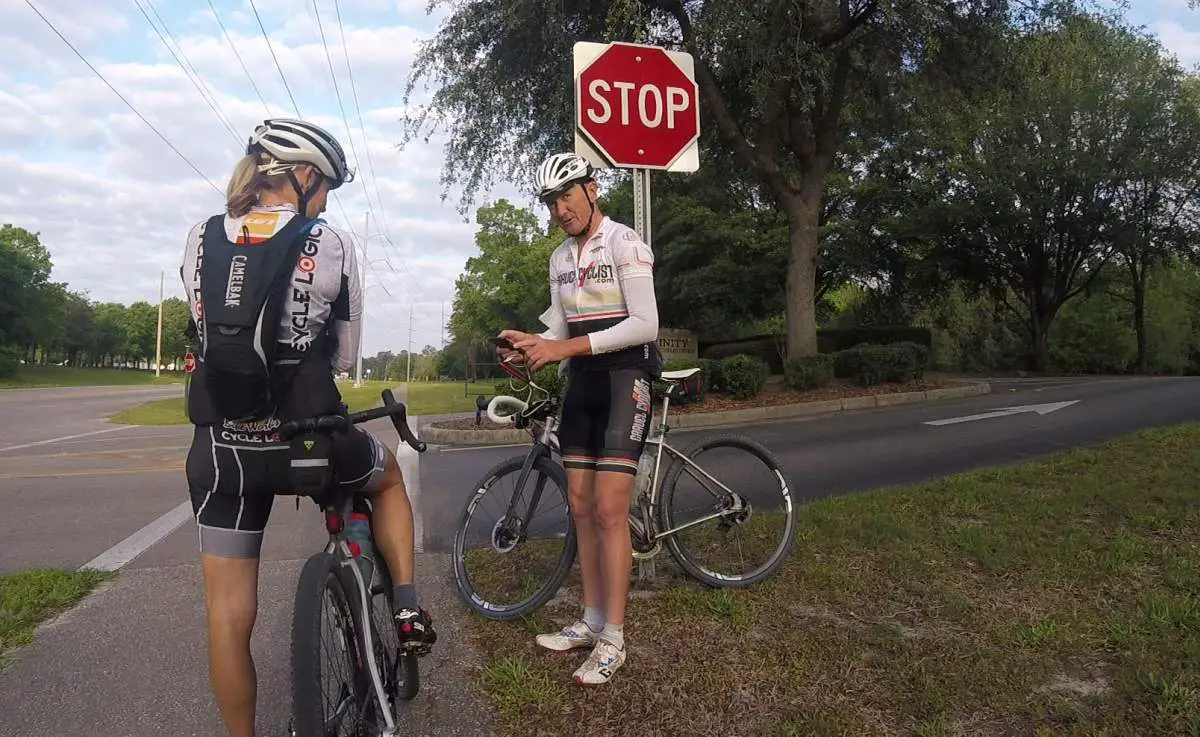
<point x="369" y="671"/>
<point x="514" y="564"/>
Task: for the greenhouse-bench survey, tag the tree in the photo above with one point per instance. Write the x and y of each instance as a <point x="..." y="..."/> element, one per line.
<point x="775" y="77"/>
<point x="24" y="272"/>
<point x="507" y="285"/>
<point x="1029" y="209"/>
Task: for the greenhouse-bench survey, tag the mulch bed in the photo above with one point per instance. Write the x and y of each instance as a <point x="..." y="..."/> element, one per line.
<point x="770" y="397"/>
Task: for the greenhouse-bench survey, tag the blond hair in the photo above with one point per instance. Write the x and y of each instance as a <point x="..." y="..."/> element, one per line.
<point x="247" y="184"/>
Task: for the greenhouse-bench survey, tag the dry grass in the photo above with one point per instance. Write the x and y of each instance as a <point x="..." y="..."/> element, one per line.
<point x="1055" y="598"/>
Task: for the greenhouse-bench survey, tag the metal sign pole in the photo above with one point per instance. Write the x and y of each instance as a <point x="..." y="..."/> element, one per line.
<point x="641" y="203"/>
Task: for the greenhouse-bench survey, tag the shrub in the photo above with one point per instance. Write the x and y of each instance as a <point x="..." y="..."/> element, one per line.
<point x="833" y="340"/>
<point x="10" y="361"/>
<point x="920" y="357"/>
<point x="870" y="365"/>
<point x="809" y="372"/>
<point x="743" y="376"/>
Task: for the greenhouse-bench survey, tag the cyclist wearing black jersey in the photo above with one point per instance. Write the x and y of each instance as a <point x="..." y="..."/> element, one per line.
<point x="603" y="321"/>
<point x="234" y="469"/>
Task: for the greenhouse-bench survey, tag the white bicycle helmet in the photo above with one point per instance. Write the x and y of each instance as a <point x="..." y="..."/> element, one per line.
<point x="559" y="171"/>
<point x="289" y="142"/>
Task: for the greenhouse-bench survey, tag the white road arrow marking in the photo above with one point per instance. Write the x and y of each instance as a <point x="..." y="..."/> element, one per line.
<point x="1041" y="409"/>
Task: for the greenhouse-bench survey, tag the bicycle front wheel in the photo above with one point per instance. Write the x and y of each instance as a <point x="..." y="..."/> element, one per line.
<point x="327" y="687"/>
<point x="515" y="542"/>
<point x="731" y="506"/>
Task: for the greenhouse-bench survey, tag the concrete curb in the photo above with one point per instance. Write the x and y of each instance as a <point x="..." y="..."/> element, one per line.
<point x="447" y="436"/>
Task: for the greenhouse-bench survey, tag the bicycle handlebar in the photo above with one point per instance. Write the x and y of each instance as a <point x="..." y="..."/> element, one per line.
<point x="396" y="411"/>
<point x="500" y="399"/>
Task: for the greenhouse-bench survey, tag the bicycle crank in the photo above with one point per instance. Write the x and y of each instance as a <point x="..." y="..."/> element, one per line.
<point x="642" y="548"/>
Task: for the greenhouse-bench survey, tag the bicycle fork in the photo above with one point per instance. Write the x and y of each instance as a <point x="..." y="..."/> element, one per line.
<point x="335" y="525"/>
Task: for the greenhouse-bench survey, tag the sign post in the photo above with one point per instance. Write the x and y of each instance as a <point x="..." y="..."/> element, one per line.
<point x="636" y="107"/>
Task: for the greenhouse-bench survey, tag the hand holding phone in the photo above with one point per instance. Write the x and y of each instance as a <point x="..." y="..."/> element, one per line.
<point x="504" y="343"/>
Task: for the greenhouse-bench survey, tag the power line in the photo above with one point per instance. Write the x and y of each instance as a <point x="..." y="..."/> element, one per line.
<point x="189" y="73"/>
<point x="270" y="48"/>
<point x="118" y="94"/>
<point x="245" y="69"/>
<point x="361" y="125"/>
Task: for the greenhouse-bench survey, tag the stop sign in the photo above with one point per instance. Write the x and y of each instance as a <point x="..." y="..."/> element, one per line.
<point x="189" y="362"/>
<point x="637" y="106"/>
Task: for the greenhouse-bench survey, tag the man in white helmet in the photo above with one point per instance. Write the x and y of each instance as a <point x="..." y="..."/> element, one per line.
<point x="270" y="229"/>
<point x="603" y="320"/>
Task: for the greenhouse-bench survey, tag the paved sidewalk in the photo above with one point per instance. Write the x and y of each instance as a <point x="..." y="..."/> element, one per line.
<point x="130" y="661"/>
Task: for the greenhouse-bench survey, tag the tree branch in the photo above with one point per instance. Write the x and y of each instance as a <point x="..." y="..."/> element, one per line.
<point x="763" y="166"/>
<point x="847" y="23"/>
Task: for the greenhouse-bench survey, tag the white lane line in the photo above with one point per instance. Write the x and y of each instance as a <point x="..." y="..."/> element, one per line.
<point x="142" y="540"/>
<point x="68" y="437"/>
<point x="409" y="461"/>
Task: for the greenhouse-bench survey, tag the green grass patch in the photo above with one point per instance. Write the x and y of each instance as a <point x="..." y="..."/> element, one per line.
<point x="28" y="598"/>
<point x="1057" y="597"/>
<point x="445" y="397"/>
<point x="47" y="376"/>
<point x="423" y="399"/>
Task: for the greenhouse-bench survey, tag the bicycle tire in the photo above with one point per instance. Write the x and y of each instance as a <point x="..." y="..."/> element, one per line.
<point x="321" y="571"/>
<point x="697" y="572"/>
<point x="462" y="584"/>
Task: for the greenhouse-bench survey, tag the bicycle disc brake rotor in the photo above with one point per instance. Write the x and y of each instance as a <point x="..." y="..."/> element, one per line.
<point x="504" y="536"/>
<point x="738" y="513"/>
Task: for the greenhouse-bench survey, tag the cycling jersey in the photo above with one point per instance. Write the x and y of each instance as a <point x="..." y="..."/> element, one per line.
<point x="325" y="296"/>
<point x="605" y="290"/>
<point x="325" y="285"/>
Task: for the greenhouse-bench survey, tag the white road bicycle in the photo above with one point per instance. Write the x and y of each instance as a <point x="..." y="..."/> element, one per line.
<point x="496" y="566"/>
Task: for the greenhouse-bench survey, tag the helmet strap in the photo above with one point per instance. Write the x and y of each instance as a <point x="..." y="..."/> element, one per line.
<point x="302" y="194"/>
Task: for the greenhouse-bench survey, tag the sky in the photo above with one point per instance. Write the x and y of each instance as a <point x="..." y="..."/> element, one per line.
<point x="113" y="201"/>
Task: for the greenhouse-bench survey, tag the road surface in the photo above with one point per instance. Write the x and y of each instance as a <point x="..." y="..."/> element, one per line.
<point x="130" y="660"/>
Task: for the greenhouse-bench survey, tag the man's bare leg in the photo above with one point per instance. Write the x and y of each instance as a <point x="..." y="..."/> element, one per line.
<point x="612" y="519"/>
<point x="584" y="631"/>
<point x="231" y="600"/>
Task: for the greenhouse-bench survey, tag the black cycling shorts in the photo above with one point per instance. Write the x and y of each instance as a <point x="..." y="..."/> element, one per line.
<point x="235" y="471"/>
<point x="605" y="419"/>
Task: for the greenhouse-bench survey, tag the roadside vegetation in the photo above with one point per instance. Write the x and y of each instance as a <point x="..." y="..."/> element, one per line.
<point x="28" y="598"/>
<point x="1050" y="598"/>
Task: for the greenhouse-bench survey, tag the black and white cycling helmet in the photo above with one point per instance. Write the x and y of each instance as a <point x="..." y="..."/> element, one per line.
<point x="559" y="171"/>
<point x="289" y="142"/>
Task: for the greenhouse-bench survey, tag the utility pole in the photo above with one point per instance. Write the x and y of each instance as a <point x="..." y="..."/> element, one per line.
<point x="443" y="335"/>
<point x="162" y="277"/>
<point x="408" y="380"/>
<point x="362" y="324"/>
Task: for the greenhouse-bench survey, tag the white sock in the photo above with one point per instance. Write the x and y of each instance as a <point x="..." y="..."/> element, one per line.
<point x="593" y="617"/>
<point x="614" y="633"/>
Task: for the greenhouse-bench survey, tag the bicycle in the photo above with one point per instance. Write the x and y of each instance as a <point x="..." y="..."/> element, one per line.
<point x="651" y="520"/>
<point x="369" y="696"/>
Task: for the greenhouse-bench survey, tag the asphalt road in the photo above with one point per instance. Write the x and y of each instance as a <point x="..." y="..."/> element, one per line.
<point x="130" y="659"/>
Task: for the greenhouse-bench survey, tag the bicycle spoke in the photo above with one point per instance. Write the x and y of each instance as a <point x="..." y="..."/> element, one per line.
<point x="733" y="538"/>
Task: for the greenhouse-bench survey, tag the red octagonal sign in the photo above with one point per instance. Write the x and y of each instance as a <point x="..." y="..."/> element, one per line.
<point x="637" y="106"/>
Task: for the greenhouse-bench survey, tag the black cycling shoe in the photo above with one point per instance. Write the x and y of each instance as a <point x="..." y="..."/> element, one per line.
<point x="415" y="630"/>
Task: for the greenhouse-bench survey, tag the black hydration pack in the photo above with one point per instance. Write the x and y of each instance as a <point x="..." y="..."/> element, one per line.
<point x="243" y="288"/>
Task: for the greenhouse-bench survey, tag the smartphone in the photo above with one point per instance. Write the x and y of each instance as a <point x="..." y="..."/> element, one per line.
<point x="501" y="343"/>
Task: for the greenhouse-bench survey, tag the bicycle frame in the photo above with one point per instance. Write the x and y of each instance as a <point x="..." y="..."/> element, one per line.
<point x="337" y="506"/>
<point x="647" y="525"/>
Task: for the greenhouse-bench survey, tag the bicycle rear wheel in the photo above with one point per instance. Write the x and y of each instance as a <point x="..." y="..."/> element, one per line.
<point x="514" y="562"/>
<point x="318" y="711"/>
<point x="400" y="670"/>
<point x="758" y="529"/>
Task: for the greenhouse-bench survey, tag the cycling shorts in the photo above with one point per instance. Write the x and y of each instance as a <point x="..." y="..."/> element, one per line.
<point x="605" y="419"/>
<point x="234" y="472"/>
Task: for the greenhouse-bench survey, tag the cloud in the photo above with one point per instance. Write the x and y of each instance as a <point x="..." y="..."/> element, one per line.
<point x="113" y="200"/>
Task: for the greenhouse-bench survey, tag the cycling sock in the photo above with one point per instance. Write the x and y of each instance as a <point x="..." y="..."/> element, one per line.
<point x="593" y="617"/>
<point x="404" y="596"/>
<point x="614" y="633"/>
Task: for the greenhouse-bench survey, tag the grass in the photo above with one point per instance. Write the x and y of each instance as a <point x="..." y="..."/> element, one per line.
<point x="30" y="597"/>
<point x="47" y="376"/>
<point x="423" y="399"/>
<point x="1053" y="598"/>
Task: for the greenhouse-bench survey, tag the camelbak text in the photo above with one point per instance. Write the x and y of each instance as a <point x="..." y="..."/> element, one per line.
<point x="237" y="275"/>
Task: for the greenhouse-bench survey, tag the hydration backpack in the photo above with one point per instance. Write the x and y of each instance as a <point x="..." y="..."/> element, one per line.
<point x="243" y="288"/>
